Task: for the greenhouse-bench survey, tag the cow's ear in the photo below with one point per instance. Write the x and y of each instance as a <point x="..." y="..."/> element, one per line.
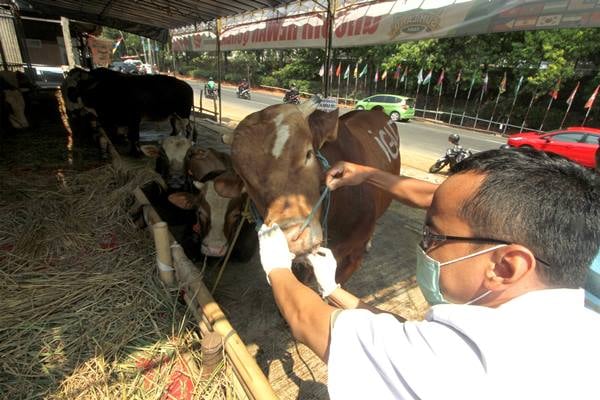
<point x="229" y="185"/>
<point x="324" y="126"/>
<point x="150" y="150"/>
<point x="183" y="200"/>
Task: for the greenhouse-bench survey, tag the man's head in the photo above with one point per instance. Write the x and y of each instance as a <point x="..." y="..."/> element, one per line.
<point x="545" y="209"/>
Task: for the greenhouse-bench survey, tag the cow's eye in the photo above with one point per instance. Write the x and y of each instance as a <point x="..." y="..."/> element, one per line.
<point x="309" y="156"/>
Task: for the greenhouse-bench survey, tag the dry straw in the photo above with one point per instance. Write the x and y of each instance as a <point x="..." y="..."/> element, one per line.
<point x="83" y="314"/>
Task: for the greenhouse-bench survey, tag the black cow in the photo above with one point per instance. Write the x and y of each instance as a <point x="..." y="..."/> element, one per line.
<point x="122" y="100"/>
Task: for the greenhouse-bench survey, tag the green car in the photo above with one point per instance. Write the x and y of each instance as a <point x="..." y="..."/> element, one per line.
<point x="399" y="108"/>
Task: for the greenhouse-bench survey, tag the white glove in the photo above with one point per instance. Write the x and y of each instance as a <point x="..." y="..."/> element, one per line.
<point x="274" y="250"/>
<point x="324" y="266"/>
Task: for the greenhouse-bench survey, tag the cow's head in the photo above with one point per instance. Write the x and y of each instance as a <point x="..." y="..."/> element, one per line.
<point x="219" y="202"/>
<point x="274" y="152"/>
<point x="71" y="89"/>
<point x="170" y="160"/>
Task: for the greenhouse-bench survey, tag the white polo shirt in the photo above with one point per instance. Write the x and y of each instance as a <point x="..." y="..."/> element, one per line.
<point x="542" y="345"/>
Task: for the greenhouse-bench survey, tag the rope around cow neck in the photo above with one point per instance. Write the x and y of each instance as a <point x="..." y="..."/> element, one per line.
<point x="325" y="198"/>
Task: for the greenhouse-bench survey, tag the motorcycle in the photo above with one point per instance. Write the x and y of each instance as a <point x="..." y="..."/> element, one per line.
<point x="291" y="98"/>
<point x="210" y="93"/>
<point x="452" y="157"/>
<point x="243" y="93"/>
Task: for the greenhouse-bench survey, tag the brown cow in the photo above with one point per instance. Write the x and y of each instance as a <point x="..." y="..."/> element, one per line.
<point x="219" y="204"/>
<point x="273" y="151"/>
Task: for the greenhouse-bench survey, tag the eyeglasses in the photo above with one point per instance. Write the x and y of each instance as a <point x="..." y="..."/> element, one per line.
<point x="431" y="239"/>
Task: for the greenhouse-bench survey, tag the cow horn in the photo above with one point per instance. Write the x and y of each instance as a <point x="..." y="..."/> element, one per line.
<point x="310" y="105"/>
<point x="199" y="185"/>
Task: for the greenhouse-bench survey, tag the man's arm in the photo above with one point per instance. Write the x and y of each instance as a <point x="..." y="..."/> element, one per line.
<point x="410" y="191"/>
<point x="304" y="310"/>
<point x="346" y="300"/>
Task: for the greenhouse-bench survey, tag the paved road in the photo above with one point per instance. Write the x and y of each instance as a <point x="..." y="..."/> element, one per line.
<point x="423" y="137"/>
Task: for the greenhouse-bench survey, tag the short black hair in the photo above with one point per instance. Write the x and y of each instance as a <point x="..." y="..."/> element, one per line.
<point x="542" y="201"/>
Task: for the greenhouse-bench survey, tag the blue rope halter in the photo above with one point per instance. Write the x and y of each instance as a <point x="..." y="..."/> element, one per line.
<point x="325" y="198"/>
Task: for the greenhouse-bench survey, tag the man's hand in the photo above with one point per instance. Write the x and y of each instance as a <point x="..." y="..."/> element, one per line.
<point x="346" y="174"/>
<point x="324" y="266"/>
<point x="274" y="250"/>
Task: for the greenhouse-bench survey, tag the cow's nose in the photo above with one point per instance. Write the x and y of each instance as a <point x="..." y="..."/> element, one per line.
<point x="175" y="182"/>
<point x="214" y="250"/>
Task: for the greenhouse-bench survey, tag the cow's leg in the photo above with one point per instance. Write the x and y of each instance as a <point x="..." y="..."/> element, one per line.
<point x="133" y="134"/>
<point x="348" y="266"/>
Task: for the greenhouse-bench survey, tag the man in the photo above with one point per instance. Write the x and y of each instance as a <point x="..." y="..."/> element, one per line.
<point x="210" y="87"/>
<point x="243" y="85"/>
<point x="291" y="96"/>
<point x="507" y="241"/>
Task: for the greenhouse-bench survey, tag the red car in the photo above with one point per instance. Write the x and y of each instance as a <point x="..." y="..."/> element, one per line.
<point x="578" y="143"/>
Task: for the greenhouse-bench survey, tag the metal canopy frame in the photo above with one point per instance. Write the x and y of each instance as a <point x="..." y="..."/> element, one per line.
<point x="149" y="18"/>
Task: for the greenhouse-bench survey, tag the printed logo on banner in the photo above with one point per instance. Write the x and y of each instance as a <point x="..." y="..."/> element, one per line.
<point x="328" y="105"/>
<point x="416" y="23"/>
<point x="549" y="20"/>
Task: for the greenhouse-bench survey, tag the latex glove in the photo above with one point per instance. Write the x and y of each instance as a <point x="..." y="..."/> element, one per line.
<point x="274" y="250"/>
<point x="324" y="266"/>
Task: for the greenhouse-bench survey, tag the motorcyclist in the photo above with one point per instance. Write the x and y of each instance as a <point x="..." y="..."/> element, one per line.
<point x="291" y="93"/>
<point x="244" y="85"/>
<point x="453" y="155"/>
<point x="210" y="86"/>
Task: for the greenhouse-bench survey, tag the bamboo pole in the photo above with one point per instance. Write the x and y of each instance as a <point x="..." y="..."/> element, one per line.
<point x="245" y="367"/>
<point x="164" y="261"/>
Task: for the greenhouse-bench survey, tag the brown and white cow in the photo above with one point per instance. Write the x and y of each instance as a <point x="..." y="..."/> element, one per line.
<point x="170" y="158"/>
<point x="273" y="151"/>
<point x="12" y="102"/>
<point x="219" y="204"/>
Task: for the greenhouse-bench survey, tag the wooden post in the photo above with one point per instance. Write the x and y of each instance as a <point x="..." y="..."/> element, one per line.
<point x="212" y="353"/>
<point x="64" y="22"/>
<point x="163" y="253"/>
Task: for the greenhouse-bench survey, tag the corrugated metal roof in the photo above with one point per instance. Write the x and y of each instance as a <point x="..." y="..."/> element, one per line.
<point x="150" y="18"/>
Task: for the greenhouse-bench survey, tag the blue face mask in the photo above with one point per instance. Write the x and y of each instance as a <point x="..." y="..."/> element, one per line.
<point x="428" y="275"/>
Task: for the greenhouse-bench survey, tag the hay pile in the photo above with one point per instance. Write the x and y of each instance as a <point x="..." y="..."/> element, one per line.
<point x="83" y="314"/>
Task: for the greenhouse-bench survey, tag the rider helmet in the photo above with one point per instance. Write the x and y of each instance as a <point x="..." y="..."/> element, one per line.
<point x="454" y="138"/>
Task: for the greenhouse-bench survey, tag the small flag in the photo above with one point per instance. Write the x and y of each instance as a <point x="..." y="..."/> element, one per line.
<point x="376" y="75"/>
<point x="405" y="74"/>
<point x="473" y="80"/>
<point x="364" y="71"/>
<point x="519" y="83"/>
<point x="458" y="76"/>
<point x="322" y="71"/>
<point x="356" y="70"/>
<point x="397" y="72"/>
<point x="572" y="96"/>
<point x="440" y="79"/>
<point x="485" y="83"/>
<point x="117" y="44"/>
<point x="590" y="102"/>
<point x="554" y="92"/>
<point x="384" y="75"/>
<point x="502" y="87"/>
<point x="420" y="77"/>
<point x="428" y="77"/>
<point x="347" y="72"/>
<point x="330" y="69"/>
<point x="338" y="70"/>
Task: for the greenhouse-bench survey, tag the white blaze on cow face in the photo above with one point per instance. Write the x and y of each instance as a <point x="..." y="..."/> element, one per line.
<point x="282" y="133"/>
<point x="15" y="100"/>
<point x="215" y="243"/>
